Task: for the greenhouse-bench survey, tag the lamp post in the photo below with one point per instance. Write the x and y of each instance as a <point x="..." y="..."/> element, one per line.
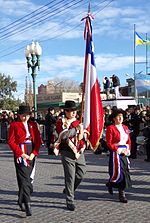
<point x="33" y="53"/>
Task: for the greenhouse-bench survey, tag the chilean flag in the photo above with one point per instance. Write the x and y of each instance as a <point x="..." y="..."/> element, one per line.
<point x="93" y="118"/>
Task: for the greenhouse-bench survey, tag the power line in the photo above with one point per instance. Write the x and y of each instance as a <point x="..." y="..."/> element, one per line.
<point x="21" y="47"/>
<point x="96" y="12"/>
<point x="25" y="42"/>
<point x="63" y="21"/>
<point x="40" y="21"/>
<point x="5" y="28"/>
<point x="104" y="7"/>
<point x="57" y="36"/>
<point x="36" y="21"/>
<point x="24" y="29"/>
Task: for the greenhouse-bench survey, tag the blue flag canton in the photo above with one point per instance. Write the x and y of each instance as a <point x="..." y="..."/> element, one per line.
<point x="90" y="50"/>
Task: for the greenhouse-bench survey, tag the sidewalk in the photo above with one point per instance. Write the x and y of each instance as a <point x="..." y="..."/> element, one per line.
<point x="93" y="203"/>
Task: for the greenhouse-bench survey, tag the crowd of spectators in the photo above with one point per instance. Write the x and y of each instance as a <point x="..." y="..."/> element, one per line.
<point x="135" y="117"/>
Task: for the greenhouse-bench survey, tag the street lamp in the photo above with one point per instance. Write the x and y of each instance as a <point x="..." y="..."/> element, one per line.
<point x="33" y="53"/>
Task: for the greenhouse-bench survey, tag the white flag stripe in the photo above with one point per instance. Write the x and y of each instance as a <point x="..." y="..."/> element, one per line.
<point x="94" y="76"/>
<point x="87" y="95"/>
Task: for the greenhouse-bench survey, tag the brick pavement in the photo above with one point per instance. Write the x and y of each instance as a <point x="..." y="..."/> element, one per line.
<point x="93" y="203"/>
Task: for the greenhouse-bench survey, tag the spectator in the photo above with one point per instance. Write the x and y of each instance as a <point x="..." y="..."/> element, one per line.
<point x="106" y="84"/>
<point x="147" y="117"/>
<point x="50" y="121"/>
<point x="135" y="127"/>
<point x="146" y="133"/>
<point x="116" y="84"/>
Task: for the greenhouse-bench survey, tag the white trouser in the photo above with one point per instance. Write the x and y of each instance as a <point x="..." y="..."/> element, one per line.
<point x="117" y="94"/>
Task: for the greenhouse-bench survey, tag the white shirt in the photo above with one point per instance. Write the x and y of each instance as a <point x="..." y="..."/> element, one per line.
<point x="123" y="135"/>
<point x="27" y="131"/>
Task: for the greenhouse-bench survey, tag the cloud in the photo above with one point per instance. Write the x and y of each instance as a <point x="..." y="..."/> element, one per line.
<point x="14" y="68"/>
<point x="20" y="7"/>
<point x="61" y="62"/>
<point x="68" y="26"/>
<point x="45" y="25"/>
<point x="116" y="19"/>
<point x="66" y="66"/>
<point x="113" y="22"/>
<point x="113" y="62"/>
<point x="106" y="21"/>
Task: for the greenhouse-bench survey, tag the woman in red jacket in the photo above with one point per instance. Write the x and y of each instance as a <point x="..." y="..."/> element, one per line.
<point x="119" y="144"/>
<point x="24" y="140"/>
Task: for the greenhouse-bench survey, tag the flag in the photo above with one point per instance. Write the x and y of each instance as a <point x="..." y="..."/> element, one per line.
<point x="142" y="82"/>
<point x="93" y="117"/>
<point x="139" y="40"/>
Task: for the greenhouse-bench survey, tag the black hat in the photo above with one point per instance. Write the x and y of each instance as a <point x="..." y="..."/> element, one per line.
<point x="24" y="109"/>
<point x="70" y="105"/>
<point x="50" y="109"/>
<point x="115" y="113"/>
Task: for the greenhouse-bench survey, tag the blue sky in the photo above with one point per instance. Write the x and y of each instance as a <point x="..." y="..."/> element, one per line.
<point x="62" y="42"/>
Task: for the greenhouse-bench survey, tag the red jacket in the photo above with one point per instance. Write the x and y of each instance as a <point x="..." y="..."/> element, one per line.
<point x="17" y="135"/>
<point x="59" y="129"/>
<point x="113" y="137"/>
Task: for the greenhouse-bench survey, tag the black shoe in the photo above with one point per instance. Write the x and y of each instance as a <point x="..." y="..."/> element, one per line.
<point x="122" y="197"/>
<point x="22" y="207"/>
<point x="109" y="187"/>
<point x="28" y="209"/>
<point x="70" y="207"/>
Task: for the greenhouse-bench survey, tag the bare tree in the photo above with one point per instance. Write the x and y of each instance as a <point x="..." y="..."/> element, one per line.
<point x="66" y="85"/>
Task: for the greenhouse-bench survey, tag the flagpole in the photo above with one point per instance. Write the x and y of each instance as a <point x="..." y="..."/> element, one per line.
<point x="146" y="56"/>
<point x="85" y="65"/>
<point x="147" y="65"/>
<point x="89" y="7"/>
<point x="134" y="72"/>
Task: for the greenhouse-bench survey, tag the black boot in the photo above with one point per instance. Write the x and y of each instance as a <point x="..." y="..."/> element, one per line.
<point x="28" y="209"/>
<point x="110" y="190"/>
<point x="122" y="197"/>
<point x="70" y="206"/>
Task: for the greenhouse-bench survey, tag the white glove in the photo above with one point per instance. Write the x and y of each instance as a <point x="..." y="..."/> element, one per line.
<point x="56" y="151"/>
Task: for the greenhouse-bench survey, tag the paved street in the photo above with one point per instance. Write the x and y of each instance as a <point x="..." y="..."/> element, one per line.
<point x="93" y="203"/>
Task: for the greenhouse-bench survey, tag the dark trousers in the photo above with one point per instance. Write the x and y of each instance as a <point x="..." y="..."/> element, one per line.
<point x="49" y="136"/>
<point x="133" y="145"/>
<point x="74" y="171"/>
<point x="24" y="181"/>
<point x="148" y="149"/>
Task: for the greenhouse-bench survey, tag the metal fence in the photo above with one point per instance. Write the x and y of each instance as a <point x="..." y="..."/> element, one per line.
<point x="4" y="131"/>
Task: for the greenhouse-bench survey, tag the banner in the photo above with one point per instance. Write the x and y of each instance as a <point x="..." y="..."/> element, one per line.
<point x="93" y="117"/>
<point x="142" y="82"/>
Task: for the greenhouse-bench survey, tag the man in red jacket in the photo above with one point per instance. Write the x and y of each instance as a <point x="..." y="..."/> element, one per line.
<point x="70" y="145"/>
